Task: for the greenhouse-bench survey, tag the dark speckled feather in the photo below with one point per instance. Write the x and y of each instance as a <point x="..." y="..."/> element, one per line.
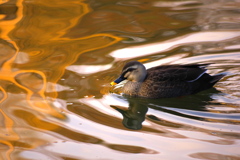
<point x="166" y="81"/>
<point x="177" y="72"/>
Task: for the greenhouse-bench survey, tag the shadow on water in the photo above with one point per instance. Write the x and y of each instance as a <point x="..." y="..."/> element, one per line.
<point x="135" y="114"/>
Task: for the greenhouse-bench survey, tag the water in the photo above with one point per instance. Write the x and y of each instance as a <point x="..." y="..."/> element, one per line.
<point x="57" y="59"/>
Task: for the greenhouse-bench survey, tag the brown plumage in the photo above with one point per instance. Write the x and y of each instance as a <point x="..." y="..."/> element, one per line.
<point x="165" y="81"/>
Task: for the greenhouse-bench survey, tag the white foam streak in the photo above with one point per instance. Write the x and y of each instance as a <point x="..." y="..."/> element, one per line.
<point x="138" y="51"/>
<point x="88" y="69"/>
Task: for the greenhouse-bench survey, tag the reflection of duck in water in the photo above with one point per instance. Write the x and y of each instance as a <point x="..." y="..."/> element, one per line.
<point x="135" y="114"/>
<point x="165" y="81"/>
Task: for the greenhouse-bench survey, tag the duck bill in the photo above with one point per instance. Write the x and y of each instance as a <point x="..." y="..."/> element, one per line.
<point x="120" y="79"/>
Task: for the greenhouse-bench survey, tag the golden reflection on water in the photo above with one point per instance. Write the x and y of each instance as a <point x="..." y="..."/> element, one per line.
<point x="15" y="8"/>
<point x="47" y="42"/>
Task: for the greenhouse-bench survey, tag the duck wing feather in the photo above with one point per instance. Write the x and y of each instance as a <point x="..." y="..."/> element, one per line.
<point x="188" y="72"/>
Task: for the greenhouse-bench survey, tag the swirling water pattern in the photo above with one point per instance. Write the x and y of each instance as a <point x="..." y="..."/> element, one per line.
<point x="58" y="57"/>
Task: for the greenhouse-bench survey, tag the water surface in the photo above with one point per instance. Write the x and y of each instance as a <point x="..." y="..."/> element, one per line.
<point x="57" y="59"/>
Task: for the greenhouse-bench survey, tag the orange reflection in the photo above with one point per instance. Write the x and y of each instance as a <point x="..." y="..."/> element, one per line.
<point x="7" y="73"/>
<point x="44" y="77"/>
<point x="8" y="128"/>
<point x="6" y="27"/>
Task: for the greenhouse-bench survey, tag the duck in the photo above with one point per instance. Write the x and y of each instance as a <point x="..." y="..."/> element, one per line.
<point x="165" y="81"/>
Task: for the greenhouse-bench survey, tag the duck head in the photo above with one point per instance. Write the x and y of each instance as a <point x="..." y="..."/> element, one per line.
<point x="132" y="71"/>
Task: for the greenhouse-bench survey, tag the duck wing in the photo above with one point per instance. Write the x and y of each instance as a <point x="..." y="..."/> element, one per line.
<point x="188" y="72"/>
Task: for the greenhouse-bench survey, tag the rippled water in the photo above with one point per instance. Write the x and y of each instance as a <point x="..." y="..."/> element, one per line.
<point x="57" y="59"/>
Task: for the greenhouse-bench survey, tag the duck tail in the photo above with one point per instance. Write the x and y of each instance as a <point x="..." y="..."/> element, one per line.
<point x="217" y="77"/>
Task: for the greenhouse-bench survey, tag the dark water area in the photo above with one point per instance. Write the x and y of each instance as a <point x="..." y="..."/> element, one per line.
<point x="57" y="59"/>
